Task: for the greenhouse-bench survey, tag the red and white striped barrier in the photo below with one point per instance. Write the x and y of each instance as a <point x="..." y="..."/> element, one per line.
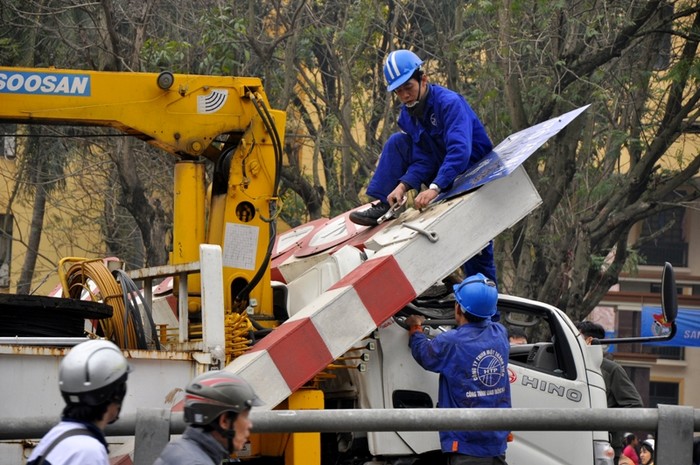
<point x="407" y="262"/>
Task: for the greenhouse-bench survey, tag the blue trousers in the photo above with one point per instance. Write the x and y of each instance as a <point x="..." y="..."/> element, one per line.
<point x="483" y="262"/>
<point x="397" y="155"/>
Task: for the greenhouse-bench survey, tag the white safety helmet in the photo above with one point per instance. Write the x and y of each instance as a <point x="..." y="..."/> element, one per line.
<point x="92" y="373"/>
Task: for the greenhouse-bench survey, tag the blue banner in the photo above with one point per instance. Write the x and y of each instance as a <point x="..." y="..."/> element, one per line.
<point x="687" y="322"/>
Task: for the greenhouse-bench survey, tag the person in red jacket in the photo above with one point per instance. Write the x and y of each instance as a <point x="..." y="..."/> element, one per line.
<point x="630" y="450"/>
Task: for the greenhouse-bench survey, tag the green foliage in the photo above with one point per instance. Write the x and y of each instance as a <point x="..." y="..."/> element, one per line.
<point x="42" y="164"/>
<point x="220" y="49"/>
<point x="633" y="262"/>
<point x="631" y="266"/>
<point x="597" y="262"/>
<point x="321" y="60"/>
<point x="9" y="51"/>
<point x="160" y="55"/>
<point x="224" y="48"/>
<point x="293" y="210"/>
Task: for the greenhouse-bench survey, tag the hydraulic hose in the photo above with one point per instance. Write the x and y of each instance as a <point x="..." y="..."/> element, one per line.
<point x="132" y="295"/>
<point x="277" y="146"/>
<point x="76" y="283"/>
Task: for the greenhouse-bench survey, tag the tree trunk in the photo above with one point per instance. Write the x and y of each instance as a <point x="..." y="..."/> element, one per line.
<point x="150" y="217"/>
<point x="27" y="274"/>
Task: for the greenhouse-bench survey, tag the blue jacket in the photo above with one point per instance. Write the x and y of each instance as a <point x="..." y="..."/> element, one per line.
<point x="448" y="139"/>
<point x="472" y="361"/>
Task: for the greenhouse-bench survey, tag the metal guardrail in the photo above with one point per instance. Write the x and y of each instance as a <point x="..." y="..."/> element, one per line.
<point x="674" y="425"/>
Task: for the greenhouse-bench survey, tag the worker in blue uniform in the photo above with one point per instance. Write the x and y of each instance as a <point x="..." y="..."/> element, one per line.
<point x="441" y="137"/>
<point x="472" y="361"/>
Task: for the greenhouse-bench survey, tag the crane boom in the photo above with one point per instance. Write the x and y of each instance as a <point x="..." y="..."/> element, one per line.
<point x="179" y="113"/>
<point x="227" y="120"/>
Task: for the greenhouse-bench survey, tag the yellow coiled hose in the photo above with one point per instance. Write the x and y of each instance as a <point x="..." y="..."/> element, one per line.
<point x="76" y="284"/>
<point x="238" y="328"/>
<point x="92" y="279"/>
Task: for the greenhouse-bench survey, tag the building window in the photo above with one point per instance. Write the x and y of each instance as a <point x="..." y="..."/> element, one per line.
<point x="5" y="250"/>
<point x="640" y="378"/>
<point x="670" y="246"/>
<point x="8" y="142"/>
<point x="661" y="392"/>
<point x="655" y="288"/>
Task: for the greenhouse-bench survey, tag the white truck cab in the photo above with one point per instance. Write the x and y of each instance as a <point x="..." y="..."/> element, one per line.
<point x="556" y="369"/>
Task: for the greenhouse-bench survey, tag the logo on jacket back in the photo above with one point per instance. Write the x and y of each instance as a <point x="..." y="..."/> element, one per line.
<point x="76" y="85"/>
<point x="488" y="368"/>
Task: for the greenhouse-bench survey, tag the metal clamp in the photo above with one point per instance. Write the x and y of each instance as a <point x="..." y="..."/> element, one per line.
<point x="431" y="235"/>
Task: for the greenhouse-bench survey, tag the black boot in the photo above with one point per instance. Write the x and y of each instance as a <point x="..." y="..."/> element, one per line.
<point x="370" y="216"/>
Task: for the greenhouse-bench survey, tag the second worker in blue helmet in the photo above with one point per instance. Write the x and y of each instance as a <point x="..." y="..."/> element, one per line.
<point x="472" y="360"/>
<point x="440" y="137"/>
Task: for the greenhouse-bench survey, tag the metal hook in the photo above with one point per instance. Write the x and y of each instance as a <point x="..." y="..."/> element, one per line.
<point x="431" y="235"/>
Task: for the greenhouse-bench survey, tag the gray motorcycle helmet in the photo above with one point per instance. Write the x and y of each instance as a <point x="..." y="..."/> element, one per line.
<point x="215" y="392"/>
<point x="92" y="373"/>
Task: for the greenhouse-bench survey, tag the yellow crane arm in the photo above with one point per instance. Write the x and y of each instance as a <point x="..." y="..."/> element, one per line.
<point x="179" y="113"/>
<point x="225" y="119"/>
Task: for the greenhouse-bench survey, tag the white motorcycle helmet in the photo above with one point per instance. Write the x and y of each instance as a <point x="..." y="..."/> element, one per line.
<point x="93" y="372"/>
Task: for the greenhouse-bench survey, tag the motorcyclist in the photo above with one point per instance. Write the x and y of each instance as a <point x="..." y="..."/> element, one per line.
<point x="92" y="380"/>
<point x="217" y="405"/>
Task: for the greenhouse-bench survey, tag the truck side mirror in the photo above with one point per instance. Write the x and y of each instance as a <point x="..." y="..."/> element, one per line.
<point x="669" y="307"/>
<point x="669" y="296"/>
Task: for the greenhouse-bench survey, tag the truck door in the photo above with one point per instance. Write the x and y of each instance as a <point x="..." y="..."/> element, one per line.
<point x="547" y="372"/>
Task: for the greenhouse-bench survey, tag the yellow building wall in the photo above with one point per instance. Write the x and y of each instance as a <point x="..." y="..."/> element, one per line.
<point x="71" y="225"/>
<point x="683" y="372"/>
<point x="691" y="229"/>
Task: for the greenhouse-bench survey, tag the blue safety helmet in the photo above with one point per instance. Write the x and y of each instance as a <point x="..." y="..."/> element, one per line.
<point x="399" y="67"/>
<point x="477" y="295"/>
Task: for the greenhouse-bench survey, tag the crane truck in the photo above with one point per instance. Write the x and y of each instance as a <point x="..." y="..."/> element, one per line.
<point x="311" y="317"/>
